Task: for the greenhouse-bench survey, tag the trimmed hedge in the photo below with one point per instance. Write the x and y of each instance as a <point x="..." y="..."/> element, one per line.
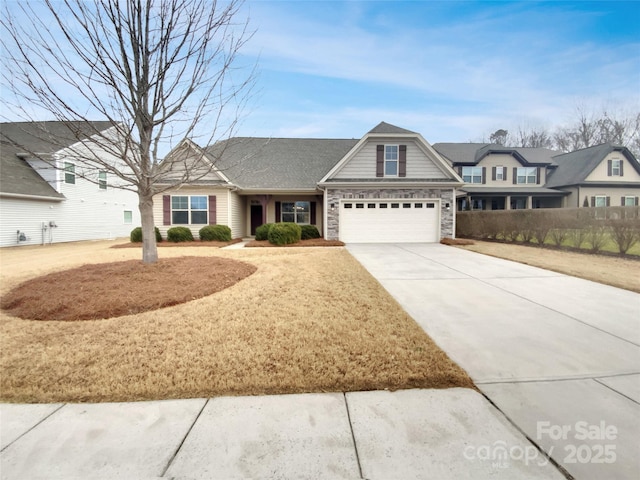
<point x="136" y="235"/>
<point x="217" y="233"/>
<point x="262" y="232"/>
<point x="575" y="227"/>
<point x="179" y="234"/>
<point x="284" y="233"/>
<point x="309" y="232"/>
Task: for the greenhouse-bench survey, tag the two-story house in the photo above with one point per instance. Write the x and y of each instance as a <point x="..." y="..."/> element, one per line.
<point x="49" y="194"/>
<point x="502" y="178"/>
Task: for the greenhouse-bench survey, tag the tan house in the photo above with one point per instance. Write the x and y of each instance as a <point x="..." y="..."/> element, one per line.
<point x="503" y="178"/>
<point x="388" y="186"/>
<point x="604" y="175"/>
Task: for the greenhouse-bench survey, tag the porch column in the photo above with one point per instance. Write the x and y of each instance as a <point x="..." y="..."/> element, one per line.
<point x="264" y="200"/>
<point x="507" y="202"/>
<point x="529" y="202"/>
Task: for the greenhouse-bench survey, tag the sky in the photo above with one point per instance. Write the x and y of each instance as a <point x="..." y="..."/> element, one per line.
<point x="452" y="71"/>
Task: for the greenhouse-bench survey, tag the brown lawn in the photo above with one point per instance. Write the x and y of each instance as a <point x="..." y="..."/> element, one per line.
<point x="307" y="320"/>
<point x="610" y="270"/>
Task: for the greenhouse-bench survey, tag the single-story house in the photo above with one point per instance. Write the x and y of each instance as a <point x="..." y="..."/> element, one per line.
<point x="48" y="194"/>
<point x="388" y="186"/>
<point x="503" y="178"/>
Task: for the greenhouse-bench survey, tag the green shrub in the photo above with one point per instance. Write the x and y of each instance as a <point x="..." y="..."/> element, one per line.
<point x="179" y="234"/>
<point x="284" y="233"/>
<point x="309" y="232"/>
<point x="136" y="235"/>
<point x="262" y="232"/>
<point x="218" y="233"/>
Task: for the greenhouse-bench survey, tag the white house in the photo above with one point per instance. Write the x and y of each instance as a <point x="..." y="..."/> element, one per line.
<point x="49" y="190"/>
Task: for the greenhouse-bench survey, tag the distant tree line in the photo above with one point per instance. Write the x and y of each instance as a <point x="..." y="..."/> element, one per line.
<point x="586" y="130"/>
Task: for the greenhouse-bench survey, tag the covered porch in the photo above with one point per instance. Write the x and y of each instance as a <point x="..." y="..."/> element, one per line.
<point x="478" y="198"/>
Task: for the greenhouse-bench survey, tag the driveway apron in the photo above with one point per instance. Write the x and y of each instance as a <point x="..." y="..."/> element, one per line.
<point x="558" y="355"/>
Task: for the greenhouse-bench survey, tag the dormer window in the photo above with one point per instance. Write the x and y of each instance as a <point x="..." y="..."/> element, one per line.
<point x="391" y="160"/>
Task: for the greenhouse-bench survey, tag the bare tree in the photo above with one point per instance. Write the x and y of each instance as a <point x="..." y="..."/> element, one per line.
<point x="158" y="71"/>
<point x="534" y="137"/>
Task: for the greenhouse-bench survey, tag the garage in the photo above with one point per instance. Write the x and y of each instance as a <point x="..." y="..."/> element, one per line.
<point x="389" y="221"/>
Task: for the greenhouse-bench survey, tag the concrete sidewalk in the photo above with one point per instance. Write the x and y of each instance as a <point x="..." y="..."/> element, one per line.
<point x="560" y="356"/>
<point x="408" y="434"/>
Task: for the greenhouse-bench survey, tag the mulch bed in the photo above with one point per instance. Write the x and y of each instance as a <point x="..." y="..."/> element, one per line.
<point x="111" y="290"/>
<point x="312" y="242"/>
<point x="196" y="243"/>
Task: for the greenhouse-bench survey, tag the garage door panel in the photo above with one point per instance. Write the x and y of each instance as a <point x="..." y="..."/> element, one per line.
<point x="363" y="221"/>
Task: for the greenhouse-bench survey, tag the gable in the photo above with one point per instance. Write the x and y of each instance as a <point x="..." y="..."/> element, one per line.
<point x="188" y="163"/>
<point x="602" y="172"/>
<point x="417" y="161"/>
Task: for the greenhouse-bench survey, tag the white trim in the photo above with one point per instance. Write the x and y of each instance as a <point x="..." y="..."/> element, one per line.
<point x="32" y="197"/>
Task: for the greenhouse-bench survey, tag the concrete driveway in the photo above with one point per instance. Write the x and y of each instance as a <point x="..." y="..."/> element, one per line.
<point x="560" y="356"/>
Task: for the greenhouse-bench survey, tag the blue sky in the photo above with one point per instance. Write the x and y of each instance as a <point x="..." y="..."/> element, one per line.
<point x="453" y="71"/>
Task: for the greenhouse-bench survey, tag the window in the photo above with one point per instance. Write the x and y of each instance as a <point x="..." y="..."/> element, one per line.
<point x="186" y="210"/>
<point x="406" y="205"/>
<point x="383" y="205"/>
<point x="359" y="205"/>
<point x="102" y="180"/>
<point x="629" y="201"/>
<point x="418" y="205"/>
<point x="472" y="174"/>
<point x="348" y="205"/>
<point x="527" y="175"/>
<point x="371" y="205"/>
<point x="69" y="173"/>
<point x="499" y="173"/>
<point x="298" y="212"/>
<point x="391" y="160"/>
<point x="128" y="217"/>
<point x="616" y="168"/>
<point x="600" y="201"/>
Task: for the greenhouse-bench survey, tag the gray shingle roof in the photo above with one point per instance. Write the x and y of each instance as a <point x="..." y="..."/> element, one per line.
<point x="32" y="139"/>
<point x="387" y="128"/>
<point x="472" y="153"/>
<point x="278" y="163"/>
<point x="575" y="167"/>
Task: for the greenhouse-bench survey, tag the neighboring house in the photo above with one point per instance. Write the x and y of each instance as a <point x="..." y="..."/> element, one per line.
<point x="49" y="195"/>
<point x="502" y="178"/>
<point x="499" y="178"/>
<point x="604" y="175"/>
<point x="389" y="186"/>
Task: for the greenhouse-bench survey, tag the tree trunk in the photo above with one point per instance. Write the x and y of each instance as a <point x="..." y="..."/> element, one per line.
<point x="149" y="246"/>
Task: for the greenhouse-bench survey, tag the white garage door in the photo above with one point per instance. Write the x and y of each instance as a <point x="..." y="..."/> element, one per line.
<point x="390" y="220"/>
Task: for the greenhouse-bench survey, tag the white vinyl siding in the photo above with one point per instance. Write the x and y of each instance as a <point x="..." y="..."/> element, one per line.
<point x="363" y="164"/>
<point x="237" y="207"/>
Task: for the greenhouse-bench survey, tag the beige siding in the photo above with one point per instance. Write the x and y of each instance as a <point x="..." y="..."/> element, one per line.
<point x="222" y="207"/>
<point x="615" y="194"/>
<point x="363" y="164"/>
<point x="238" y="223"/>
<point x="600" y="173"/>
<point x="496" y="160"/>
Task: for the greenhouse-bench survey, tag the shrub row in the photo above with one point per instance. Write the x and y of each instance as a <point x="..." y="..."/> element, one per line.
<point x="219" y="233"/>
<point x="573" y="227"/>
<point x="286" y="233"/>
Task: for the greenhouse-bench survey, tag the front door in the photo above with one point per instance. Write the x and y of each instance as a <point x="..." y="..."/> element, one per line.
<point x="256" y="217"/>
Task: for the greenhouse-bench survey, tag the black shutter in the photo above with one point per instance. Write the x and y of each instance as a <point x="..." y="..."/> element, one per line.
<point x="278" y="210"/>
<point x="402" y="163"/>
<point x="608" y="201"/>
<point x="493" y="172"/>
<point x="380" y="161"/>
<point x="622" y="201"/>
<point x="515" y="175"/>
<point x="212" y="210"/>
<point x="593" y="201"/>
<point x="484" y="175"/>
<point x="166" y="209"/>
<point x="621" y="168"/>
<point x="312" y="212"/>
<point x="609" y="169"/>
<point x="504" y="173"/>
<point x="538" y="175"/>
<point x="636" y="201"/>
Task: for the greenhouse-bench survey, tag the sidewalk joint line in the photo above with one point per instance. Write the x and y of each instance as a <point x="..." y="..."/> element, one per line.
<point x="34" y="426"/>
<point x="353" y="437"/>
<point x="184" y="439"/>
<point x="616" y="391"/>
<point x="560" y="468"/>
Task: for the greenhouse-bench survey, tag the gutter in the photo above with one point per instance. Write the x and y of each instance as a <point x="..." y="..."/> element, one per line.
<point x="32" y="197"/>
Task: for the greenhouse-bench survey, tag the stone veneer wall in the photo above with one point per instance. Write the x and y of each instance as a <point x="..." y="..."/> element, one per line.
<point x="444" y="194"/>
